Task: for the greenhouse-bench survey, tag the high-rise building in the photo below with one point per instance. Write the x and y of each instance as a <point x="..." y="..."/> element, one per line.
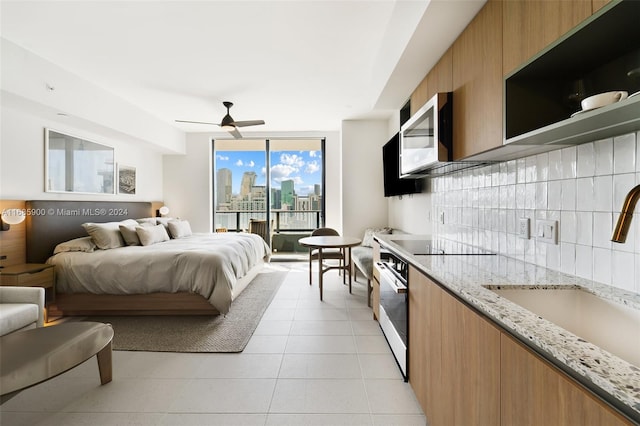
<point x="317" y="189"/>
<point x="248" y="181"/>
<point x="287" y="193"/>
<point x="223" y="186"/>
<point x="276" y="201"/>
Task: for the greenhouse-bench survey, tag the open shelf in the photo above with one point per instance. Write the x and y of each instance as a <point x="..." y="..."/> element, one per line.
<point x="600" y="55"/>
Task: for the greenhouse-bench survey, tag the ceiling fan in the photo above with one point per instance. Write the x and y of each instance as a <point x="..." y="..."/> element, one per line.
<point x="228" y="123"/>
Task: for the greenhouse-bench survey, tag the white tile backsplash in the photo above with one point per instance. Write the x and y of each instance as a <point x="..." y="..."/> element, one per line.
<point x="582" y="187"/>
<point x="624" y="154"/>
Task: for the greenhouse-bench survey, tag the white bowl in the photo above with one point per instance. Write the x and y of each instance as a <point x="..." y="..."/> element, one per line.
<point x="603" y="99"/>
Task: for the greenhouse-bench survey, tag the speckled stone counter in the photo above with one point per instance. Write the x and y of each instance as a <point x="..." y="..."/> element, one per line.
<point x="468" y="276"/>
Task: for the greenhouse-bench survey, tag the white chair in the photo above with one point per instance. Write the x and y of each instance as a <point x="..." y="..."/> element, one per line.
<point x="21" y="308"/>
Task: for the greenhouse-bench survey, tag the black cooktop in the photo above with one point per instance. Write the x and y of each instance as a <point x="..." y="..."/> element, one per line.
<point x="430" y="247"/>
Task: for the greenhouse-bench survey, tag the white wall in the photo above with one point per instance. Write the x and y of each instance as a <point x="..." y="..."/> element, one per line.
<point x="188" y="181"/>
<point x="363" y="185"/>
<point x="22" y="152"/>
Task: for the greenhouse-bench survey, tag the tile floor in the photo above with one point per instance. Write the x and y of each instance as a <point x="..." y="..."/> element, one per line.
<point x="308" y="363"/>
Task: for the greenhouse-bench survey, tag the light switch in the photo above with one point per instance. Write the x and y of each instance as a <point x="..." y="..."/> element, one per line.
<point x="547" y="231"/>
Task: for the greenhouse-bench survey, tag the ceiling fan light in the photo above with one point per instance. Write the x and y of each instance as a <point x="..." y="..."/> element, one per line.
<point x="228" y="127"/>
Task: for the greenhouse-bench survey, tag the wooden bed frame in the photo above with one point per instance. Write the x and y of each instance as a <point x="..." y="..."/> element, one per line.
<point x="45" y="231"/>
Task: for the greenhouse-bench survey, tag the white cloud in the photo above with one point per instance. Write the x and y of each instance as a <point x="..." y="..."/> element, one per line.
<point x="239" y="163"/>
<point x="292" y="160"/>
<point x="313" y="153"/>
<point x="281" y="172"/>
<point x="222" y="157"/>
<point x="312" y="167"/>
<point x="250" y="164"/>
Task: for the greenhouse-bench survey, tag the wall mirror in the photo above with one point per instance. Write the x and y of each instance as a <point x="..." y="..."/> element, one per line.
<point x="73" y="164"/>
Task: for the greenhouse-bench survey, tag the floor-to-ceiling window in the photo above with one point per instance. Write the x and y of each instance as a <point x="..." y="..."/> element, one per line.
<point x="280" y="181"/>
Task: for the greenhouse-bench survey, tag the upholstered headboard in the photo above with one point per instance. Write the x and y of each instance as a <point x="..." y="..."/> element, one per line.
<point x="51" y="222"/>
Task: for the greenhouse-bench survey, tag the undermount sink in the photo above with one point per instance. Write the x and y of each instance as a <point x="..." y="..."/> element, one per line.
<point x="612" y="326"/>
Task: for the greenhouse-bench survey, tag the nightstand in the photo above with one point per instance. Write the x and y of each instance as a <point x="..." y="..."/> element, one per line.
<point x="31" y="275"/>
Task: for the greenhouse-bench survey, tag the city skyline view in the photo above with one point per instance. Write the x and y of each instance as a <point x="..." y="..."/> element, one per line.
<point x="304" y="168"/>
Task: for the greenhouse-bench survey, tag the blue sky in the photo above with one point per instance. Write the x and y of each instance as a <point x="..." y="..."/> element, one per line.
<point x="303" y="167"/>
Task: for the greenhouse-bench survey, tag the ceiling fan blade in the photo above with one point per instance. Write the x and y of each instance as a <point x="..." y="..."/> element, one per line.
<point x="196" y="122"/>
<point x="236" y="134"/>
<point x="248" y="123"/>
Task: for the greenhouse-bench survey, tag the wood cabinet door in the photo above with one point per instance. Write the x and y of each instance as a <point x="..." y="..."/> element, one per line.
<point x="425" y="337"/>
<point x="598" y="4"/>
<point x="471" y="365"/>
<point x="454" y="357"/>
<point x="530" y="26"/>
<point x="439" y="79"/>
<point x="536" y="393"/>
<point x="477" y="84"/>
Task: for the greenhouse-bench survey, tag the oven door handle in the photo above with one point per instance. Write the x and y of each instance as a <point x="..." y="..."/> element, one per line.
<point x="390" y="279"/>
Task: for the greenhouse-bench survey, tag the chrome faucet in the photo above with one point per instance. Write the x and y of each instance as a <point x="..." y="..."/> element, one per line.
<point x="624" y="221"/>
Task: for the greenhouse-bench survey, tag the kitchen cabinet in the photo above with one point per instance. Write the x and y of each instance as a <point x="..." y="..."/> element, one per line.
<point x="598" y="4"/>
<point x="536" y="393"/>
<point x="439" y="79"/>
<point x="542" y="96"/>
<point x="464" y="369"/>
<point x="530" y="26"/>
<point x="454" y="357"/>
<point x="477" y="84"/>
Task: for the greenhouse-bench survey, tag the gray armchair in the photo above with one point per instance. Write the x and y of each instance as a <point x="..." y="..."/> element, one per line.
<point x="21" y="308"/>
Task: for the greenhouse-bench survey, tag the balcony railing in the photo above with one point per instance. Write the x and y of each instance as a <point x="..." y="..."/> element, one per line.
<point x="288" y="225"/>
<point x="283" y="220"/>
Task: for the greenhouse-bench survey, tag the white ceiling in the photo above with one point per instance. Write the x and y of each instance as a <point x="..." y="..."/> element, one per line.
<point x="299" y="65"/>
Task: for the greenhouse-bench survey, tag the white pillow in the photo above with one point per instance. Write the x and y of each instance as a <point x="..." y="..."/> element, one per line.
<point x="164" y="221"/>
<point x="367" y="240"/>
<point x="107" y="235"/>
<point x="130" y="235"/>
<point x="83" y="244"/>
<point x="179" y="228"/>
<point x="152" y="234"/>
<point x="147" y="221"/>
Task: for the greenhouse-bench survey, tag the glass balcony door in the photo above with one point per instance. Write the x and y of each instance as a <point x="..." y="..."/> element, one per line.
<point x="279" y="181"/>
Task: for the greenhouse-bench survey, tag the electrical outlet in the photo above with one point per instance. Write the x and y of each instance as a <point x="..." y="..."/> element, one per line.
<point x="547" y="231"/>
<point x="524" y="228"/>
<point x="442" y="217"/>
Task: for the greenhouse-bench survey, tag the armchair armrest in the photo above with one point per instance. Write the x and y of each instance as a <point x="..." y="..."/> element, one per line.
<point x="35" y="295"/>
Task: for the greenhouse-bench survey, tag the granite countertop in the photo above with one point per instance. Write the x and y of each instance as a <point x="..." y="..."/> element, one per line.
<point x="467" y="276"/>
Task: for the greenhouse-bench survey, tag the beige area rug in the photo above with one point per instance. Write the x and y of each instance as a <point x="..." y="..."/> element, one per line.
<point x="229" y="333"/>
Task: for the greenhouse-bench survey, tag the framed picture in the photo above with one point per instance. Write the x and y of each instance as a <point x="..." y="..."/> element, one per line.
<point x="126" y="179"/>
<point x="75" y="164"/>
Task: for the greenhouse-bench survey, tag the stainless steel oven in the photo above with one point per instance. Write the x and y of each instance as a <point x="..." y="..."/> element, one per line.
<point x="394" y="306"/>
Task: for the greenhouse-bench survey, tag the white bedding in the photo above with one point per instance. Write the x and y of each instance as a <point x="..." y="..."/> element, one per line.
<point x="207" y="264"/>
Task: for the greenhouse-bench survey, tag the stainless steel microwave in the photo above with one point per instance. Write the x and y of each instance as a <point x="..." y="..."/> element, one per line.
<point x="426" y="139"/>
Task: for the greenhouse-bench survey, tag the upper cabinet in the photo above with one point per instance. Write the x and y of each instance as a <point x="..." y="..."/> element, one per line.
<point x="530" y="26"/>
<point x="438" y="80"/>
<point x="477" y="84"/>
<point x="602" y="54"/>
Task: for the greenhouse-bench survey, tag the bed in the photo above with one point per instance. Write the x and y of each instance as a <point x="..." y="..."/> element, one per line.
<point x="193" y="275"/>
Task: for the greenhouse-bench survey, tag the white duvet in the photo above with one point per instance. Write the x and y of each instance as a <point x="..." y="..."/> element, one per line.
<point x="207" y="264"/>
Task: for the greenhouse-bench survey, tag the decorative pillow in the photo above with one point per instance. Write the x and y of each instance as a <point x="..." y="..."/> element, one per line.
<point x="107" y="235"/>
<point x="84" y="244"/>
<point x="130" y="235"/>
<point x="147" y="221"/>
<point x="152" y="234"/>
<point x="367" y="240"/>
<point x="164" y="221"/>
<point x="179" y="228"/>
